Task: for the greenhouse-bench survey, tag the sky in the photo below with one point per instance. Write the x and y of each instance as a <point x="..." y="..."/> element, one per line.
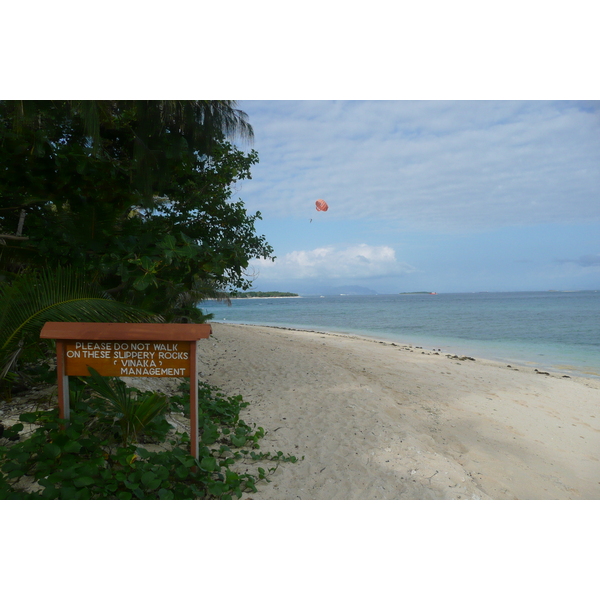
<point x="490" y="183"/>
<point x="445" y="196"/>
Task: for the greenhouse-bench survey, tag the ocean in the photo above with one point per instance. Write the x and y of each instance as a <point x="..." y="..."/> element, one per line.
<point x="557" y="331"/>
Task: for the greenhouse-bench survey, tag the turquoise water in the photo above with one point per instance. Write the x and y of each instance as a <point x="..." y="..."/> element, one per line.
<point x="549" y="330"/>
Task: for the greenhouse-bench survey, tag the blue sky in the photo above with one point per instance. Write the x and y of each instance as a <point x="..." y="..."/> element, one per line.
<point x="483" y="194"/>
<point x="448" y="196"/>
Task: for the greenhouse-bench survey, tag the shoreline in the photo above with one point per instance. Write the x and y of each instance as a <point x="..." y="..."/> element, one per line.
<point x="269" y="298"/>
<point x="379" y="420"/>
<point x="570" y="371"/>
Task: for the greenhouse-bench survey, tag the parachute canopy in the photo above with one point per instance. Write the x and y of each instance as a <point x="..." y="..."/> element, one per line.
<point x="321" y="205"/>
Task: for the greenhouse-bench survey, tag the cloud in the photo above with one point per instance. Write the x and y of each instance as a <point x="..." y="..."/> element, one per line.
<point x="428" y="165"/>
<point x="359" y="261"/>
<point x="587" y="261"/>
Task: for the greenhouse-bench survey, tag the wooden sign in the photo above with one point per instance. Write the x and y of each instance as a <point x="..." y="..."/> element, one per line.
<point x="128" y="350"/>
<point x="128" y="358"/>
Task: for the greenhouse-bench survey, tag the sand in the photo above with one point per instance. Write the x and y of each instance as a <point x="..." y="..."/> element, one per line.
<point x="376" y="420"/>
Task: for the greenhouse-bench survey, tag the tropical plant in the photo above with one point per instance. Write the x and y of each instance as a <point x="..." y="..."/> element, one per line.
<point x="133" y="412"/>
<point x="33" y="298"/>
<point x="81" y="461"/>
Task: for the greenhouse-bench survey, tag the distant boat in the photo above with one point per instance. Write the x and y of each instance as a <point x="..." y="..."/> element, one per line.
<point x="433" y="293"/>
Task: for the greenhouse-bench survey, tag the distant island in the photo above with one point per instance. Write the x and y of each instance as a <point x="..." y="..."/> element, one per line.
<point x="266" y="295"/>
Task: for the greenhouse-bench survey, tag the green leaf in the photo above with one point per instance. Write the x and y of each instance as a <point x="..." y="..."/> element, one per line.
<point x="209" y="463"/>
<point x="52" y="451"/>
<point x="169" y="242"/>
<point x="182" y="472"/>
<point x="12" y="430"/>
<point x="68" y="493"/>
<point x="143" y="453"/>
<point x="141" y="283"/>
<point x="28" y="417"/>
<point x="148" y="264"/>
<point x="231" y="477"/>
<point x="21" y="457"/>
<point x="15" y="474"/>
<point x="83" y="481"/>
<point x="71" y="446"/>
<point x="50" y="493"/>
<point x="83" y="494"/>
<point x="89" y="469"/>
<point x="238" y="440"/>
<point x="217" y="488"/>
<point x="162" y="472"/>
<point x="210" y="435"/>
<point x="150" y="480"/>
<point x="72" y="433"/>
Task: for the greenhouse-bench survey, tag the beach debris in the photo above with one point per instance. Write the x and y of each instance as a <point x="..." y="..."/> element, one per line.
<point x="455" y="356"/>
<point x="321" y="205"/>
<point x="430" y="478"/>
<point x="541" y="372"/>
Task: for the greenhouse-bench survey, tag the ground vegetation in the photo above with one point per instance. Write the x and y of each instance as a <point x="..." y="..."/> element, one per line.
<point x="107" y="450"/>
<point x="118" y="211"/>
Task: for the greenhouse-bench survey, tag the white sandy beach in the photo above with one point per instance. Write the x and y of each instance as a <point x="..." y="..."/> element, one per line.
<point x="376" y="420"/>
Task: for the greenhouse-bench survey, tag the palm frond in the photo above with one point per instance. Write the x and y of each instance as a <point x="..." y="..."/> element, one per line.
<point x="133" y="414"/>
<point x="62" y="295"/>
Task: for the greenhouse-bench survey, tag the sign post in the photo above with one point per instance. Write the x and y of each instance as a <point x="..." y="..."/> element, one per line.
<point x="128" y="350"/>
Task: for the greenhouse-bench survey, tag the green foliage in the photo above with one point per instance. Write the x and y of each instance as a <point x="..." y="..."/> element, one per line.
<point x="133" y="414"/>
<point x="33" y="298"/>
<point x="135" y="193"/>
<point x="82" y="460"/>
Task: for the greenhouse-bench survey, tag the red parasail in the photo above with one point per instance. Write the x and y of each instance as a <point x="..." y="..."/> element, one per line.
<point x="321" y="205"/>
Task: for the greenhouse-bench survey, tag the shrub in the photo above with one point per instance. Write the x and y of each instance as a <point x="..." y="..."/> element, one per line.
<point x="97" y="457"/>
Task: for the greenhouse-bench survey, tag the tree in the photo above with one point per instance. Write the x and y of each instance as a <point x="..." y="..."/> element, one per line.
<point x="136" y="193"/>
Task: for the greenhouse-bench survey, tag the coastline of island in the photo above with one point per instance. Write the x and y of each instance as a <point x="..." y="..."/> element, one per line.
<point x="255" y="295"/>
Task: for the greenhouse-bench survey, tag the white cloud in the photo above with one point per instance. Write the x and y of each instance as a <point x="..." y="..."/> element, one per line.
<point x="589" y="261"/>
<point x="428" y="165"/>
<point x="359" y="261"/>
